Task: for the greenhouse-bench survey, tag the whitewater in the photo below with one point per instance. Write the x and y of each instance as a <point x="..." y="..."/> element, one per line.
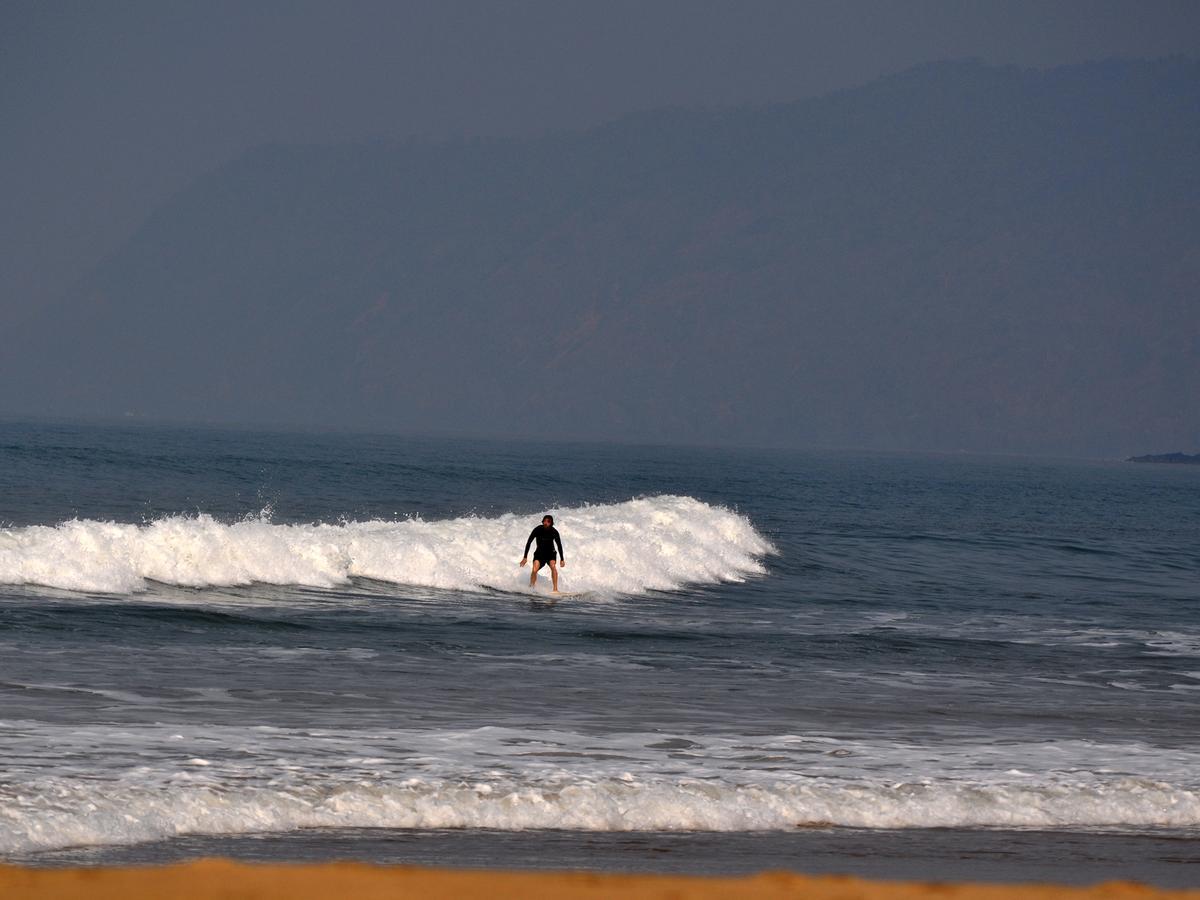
<point x="654" y="543"/>
<point x="268" y="779"/>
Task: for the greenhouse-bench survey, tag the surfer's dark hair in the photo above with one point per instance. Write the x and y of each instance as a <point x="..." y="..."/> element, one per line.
<point x="548" y="516"/>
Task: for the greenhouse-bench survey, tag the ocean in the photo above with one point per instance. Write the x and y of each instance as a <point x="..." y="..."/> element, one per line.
<point x="299" y="646"/>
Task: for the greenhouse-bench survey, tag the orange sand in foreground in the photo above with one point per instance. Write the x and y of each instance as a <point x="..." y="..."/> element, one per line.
<point x="214" y="879"/>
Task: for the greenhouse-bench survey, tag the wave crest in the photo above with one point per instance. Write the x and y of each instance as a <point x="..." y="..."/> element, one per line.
<point x="653" y="543"/>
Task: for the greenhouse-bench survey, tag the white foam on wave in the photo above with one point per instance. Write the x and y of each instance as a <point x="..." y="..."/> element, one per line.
<point x="73" y="813"/>
<point x="129" y="784"/>
<point x="653" y="543"/>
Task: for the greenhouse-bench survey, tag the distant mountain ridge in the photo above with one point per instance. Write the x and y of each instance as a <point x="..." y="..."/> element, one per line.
<point x="957" y="257"/>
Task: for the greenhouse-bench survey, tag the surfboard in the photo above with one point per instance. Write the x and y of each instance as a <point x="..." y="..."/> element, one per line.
<point x="538" y="595"/>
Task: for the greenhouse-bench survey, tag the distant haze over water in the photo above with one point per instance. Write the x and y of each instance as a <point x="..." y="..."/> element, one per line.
<point x="959" y="257"/>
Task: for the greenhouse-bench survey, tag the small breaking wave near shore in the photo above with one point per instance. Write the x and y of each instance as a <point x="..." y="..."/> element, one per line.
<point x="265" y="779"/>
<point x="652" y="543"/>
<point x="81" y="813"/>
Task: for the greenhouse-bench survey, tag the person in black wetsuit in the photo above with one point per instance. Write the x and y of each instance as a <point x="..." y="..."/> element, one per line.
<point x="547" y="538"/>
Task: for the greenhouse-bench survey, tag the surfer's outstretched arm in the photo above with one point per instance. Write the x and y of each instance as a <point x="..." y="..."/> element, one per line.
<point x="562" y="557"/>
<point x="525" y="553"/>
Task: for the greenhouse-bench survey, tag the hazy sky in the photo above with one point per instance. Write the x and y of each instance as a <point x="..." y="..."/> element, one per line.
<point x="107" y="108"/>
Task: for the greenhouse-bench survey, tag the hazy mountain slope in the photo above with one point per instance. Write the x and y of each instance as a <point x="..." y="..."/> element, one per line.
<point x="957" y="257"/>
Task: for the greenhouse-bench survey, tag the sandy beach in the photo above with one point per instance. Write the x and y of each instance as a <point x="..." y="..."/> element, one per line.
<point x="236" y="881"/>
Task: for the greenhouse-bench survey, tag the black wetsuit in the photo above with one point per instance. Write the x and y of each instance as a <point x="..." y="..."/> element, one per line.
<point x="546" y="538"/>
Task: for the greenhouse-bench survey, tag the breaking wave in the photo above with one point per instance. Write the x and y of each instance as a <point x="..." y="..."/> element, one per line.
<point x="654" y="543"/>
<point x="143" y="783"/>
<point x="85" y="813"/>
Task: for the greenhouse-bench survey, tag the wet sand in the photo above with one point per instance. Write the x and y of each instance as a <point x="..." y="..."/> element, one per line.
<point x="1162" y="859"/>
<point x="212" y="879"/>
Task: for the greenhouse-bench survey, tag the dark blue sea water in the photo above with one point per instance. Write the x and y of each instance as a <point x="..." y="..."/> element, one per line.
<point x="219" y="633"/>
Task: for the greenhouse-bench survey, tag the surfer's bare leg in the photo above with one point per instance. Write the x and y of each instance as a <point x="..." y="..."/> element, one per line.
<point x="554" y="574"/>
<point x="533" y="573"/>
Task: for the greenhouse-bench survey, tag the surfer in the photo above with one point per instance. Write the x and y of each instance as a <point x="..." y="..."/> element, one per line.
<point x="547" y="538"/>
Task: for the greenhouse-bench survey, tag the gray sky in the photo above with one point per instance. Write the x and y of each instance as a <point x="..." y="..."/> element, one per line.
<point x="108" y="108"/>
